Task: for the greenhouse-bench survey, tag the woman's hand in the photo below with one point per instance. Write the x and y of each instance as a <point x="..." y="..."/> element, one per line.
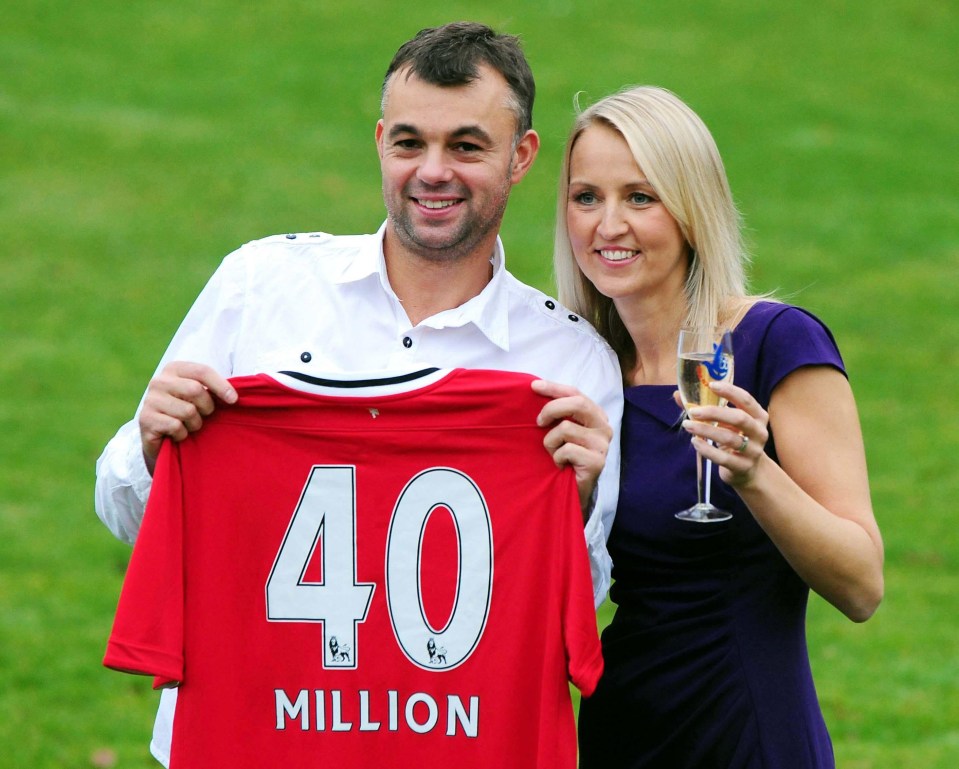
<point x="814" y="500"/>
<point x="738" y="434"/>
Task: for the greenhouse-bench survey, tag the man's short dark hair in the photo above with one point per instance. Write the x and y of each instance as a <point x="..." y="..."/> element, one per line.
<point x="451" y="55"/>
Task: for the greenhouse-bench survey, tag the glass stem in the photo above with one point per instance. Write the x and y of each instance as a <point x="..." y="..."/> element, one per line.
<point x="709" y="478"/>
<point x="699" y="478"/>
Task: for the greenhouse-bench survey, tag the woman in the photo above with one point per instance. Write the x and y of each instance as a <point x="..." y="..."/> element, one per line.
<point x="706" y="661"/>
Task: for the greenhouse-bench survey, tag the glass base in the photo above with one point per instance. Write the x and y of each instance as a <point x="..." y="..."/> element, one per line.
<point x="704" y="513"/>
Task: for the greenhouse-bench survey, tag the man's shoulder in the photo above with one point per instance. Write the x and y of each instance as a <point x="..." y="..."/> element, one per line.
<point x="558" y="344"/>
<point x="535" y="306"/>
<point x="319" y="253"/>
<point x="296" y="242"/>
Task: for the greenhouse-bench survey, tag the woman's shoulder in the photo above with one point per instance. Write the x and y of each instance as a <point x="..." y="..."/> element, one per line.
<point x="775" y="338"/>
<point x="770" y="316"/>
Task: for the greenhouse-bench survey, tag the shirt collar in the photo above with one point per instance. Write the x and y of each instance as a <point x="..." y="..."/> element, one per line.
<point x="488" y="311"/>
<point x="367" y="260"/>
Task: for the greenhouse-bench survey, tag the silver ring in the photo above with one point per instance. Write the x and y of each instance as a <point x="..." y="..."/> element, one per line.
<point x="743" y="445"/>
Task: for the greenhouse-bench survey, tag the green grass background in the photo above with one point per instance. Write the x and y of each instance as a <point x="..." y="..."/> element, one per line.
<point x="141" y="141"/>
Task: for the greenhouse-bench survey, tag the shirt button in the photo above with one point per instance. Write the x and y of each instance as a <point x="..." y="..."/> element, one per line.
<point x="291" y="236"/>
<point x="573" y="318"/>
<point x="407" y="342"/>
<point x="306" y="357"/>
<point x="550" y="304"/>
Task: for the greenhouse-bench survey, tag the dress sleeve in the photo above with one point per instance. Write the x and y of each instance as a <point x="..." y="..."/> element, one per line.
<point x="793" y="338"/>
<point x="147" y="635"/>
<point x="206" y="335"/>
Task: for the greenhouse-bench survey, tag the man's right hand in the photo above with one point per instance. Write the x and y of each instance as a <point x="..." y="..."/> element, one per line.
<point x="176" y="402"/>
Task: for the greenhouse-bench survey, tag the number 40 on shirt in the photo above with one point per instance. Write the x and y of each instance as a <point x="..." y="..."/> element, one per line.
<point x="325" y="519"/>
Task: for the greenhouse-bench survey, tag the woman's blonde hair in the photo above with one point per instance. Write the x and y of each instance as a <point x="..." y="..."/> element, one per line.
<point x="679" y="157"/>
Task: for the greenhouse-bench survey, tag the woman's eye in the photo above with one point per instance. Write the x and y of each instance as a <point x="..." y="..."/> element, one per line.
<point x="586" y="198"/>
<point x="640" y="199"/>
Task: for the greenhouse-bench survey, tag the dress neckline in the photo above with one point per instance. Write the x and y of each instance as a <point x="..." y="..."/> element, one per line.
<point x="652" y="388"/>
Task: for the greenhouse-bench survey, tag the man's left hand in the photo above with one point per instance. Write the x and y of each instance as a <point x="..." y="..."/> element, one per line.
<point x="579" y="436"/>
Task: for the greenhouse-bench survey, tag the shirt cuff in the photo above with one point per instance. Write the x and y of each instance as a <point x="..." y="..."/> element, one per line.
<point x="123" y="484"/>
<point x="139" y="476"/>
<point x="600" y="564"/>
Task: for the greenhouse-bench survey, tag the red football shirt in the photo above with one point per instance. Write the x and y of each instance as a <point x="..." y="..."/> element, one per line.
<point x="381" y="579"/>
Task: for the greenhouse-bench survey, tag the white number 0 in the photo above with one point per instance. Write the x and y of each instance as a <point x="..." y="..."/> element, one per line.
<point x="324" y="521"/>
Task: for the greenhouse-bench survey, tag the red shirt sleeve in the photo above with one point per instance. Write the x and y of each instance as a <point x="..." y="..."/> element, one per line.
<point x="583" y="650"/>
<point x="147" y="636"/>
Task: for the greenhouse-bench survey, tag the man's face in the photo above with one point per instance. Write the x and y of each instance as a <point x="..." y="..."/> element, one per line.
<point x="448" y="161"/>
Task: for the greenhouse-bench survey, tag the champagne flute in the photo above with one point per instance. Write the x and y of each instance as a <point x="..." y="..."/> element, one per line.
<point x="704" y="355"/>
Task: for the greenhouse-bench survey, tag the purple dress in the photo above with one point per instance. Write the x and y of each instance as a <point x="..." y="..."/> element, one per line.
<point x="706" y="660"/>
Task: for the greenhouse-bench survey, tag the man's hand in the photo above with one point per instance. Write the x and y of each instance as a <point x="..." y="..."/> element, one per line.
<point x="176" y="402"/>
<point x="579" y="437"/>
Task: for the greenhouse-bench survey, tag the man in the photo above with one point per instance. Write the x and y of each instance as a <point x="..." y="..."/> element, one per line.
<point x="430" y="288"/>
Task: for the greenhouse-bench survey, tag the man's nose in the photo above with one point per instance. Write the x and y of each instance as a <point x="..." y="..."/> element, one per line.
<point x="435" y="167"/>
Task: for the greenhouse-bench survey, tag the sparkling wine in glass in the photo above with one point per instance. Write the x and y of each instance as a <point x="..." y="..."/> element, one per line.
<point x="704" y="355"/>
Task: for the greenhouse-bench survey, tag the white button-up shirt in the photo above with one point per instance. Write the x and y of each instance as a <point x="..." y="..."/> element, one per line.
<point x="276" y="302"/>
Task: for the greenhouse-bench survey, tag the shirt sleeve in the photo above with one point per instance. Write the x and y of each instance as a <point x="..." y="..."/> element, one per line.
<point x="123" y="484"/>
<point x="147" y="635"/>
<point x="206" y="335"/>
<point x="605" y="386"/>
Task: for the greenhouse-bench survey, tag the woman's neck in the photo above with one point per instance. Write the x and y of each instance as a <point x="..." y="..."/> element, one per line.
<point x="654" y="330"/>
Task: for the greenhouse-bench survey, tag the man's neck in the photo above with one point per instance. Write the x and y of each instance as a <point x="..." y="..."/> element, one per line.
<point x="426" y="287"/>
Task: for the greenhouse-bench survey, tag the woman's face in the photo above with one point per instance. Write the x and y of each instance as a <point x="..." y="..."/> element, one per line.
<point x="624" y="240"/>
